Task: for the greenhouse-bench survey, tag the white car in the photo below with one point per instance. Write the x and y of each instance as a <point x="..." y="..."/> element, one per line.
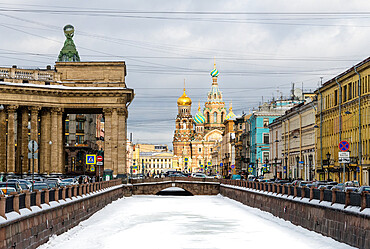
<point x="198" y="175"/>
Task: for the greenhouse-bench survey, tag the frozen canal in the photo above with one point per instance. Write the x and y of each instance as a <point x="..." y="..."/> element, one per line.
<point x="186" y="222"/>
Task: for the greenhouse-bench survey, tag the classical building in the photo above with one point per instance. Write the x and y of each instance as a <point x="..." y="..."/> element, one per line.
<point x="343" y="114"/>
<point x="292" y="142"/>
<point x="151" y="158"/>
<point x="194" y="138"/>
<point x="228" y="145"/>
<point x="37" y="102"/>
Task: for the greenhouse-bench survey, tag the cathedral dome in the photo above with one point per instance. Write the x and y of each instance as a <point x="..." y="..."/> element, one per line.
<point x="199" y="117"/>
<point x="184" y="99"/>
<point x="230" y="115"/>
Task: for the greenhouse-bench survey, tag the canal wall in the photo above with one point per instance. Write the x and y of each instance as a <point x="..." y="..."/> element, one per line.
<point x="31" y="227"/>
<point x="348" y="225"/>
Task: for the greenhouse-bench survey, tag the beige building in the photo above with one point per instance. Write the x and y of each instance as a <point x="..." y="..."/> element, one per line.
<point x="292" y="143"/>
<point x="37" y="102"/>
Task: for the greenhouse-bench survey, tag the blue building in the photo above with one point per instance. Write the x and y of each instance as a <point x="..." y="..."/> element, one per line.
<point x="259" y="136"/>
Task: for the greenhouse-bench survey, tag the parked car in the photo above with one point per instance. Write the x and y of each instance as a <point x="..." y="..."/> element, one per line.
<point x="176" y="174"/>
<point x="53" y="179"/>
<point x="52" y="184"/>
<point x="236" y="177"/>
<point x="24" y="186"/>
<point x="354" y="189"/>
<point x="12" y="185"/>
<point x="339" y="187"/>
<point x="352" y="184"/>
<point x="68" y="181"/>
<point x="363" y="188"/>
<point x="40" y="186"/>
<point x="64" y="184"/>
<point x="198" y="175"/>
<point x="304" y="183"/>
<point x="325" y="187"/>
<point x="35" y="179"/>
<point x="7" y="190"/>
<point x="281" y="181"/>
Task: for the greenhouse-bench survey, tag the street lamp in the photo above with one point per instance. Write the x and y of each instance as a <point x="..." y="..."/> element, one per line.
<point x="286" y="167"/>
<point x="296" y="173"/>
<point x="310" y="157"/>
<point x="275" y="169"/>
<point x="328" y="162"/>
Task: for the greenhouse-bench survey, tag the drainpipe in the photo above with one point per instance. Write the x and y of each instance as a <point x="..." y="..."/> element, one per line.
<point x="340" y="124"/>
<point x="359" y="124"/>
<point x="320" y="127"/>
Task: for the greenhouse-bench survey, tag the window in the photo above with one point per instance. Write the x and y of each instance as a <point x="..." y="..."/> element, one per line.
<point x="265" y="156"/>
<point x="80" y="126"/>
<point x="200" y="149"/>
<point x="215" y="117"/>
<point x="67" y="126"/>
<point x="200" y="162"/>
<point x="344" y="93"/>
<point x="80" y="139"/>
<point x="265" y="122"/>
<point x="211" y="149"/>
<point x="222" y="117"/>
<point x="208" y="120"/>
<point x="350" y="91"/>
<point x="335" y="97"/>
<point x="266" y="138"/>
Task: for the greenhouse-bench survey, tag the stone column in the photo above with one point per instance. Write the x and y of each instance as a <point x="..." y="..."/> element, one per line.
<point x="61" y="141"/>
<point x="45" y="147"/>
<point x="2" y="141"/>
<point x="34" y="131"/>
<point x="54" y="141"/>
<point x="122" y="141"/>
<point x="108" y="138"/>
<point x="25" y="164"/>
<point x="114" y="141"/>
<point x="11" y="139"/>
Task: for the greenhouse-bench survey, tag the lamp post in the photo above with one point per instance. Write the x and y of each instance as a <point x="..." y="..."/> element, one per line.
<point x="21" y="167"/>
<point x="296" y="173"/>
<point x="310" y="157"/>
<point x="328" y="163"/>
<point x="275" y="169"/>
<point x="286" y="167"/>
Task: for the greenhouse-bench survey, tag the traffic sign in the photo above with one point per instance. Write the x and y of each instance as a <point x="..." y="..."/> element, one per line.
<point x="186" y="159"/>
<point x="344" y="160"/>
<point x="99" y="163"/>
<point x="33" y="146"/>
<point x="232" y="166"/>
<point x="99" y="158"/>
<point x="343" y="154"/>
<point x="221" y="164"/>
<point x="343" y="146"/>
<point x="92" y="168"/>
<point x="202" y="166"/>
<point x="250" y="170"/>
<point x="209" y="163"/>
<point x="90" y="159"/>
<point x="35" y="155"/>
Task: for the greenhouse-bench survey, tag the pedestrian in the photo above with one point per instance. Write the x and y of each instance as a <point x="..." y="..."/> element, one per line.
<point x="80" y="180"/>
<point x="86" y="180"/>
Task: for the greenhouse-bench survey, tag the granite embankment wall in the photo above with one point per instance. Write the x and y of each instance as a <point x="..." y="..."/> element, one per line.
<point x="30" y="229"/>
<point x="347" y="225"/>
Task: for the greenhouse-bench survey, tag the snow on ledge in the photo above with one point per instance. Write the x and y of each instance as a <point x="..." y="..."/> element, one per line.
<point x="176" y="181"/>
<point x="24" y="212"/>
<point x="314" y="202"/>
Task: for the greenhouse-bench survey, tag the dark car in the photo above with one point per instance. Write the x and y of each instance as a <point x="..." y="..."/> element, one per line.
<point x="40" y="186"/>
<point x="281" y="181"/>
<point x="12" y="185"/>
<point x="364" y="188"/>
<point x="177" y="174"/>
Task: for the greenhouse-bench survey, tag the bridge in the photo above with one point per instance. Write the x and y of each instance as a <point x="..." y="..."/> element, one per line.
<point x="195" y="186"/>
<point x="28" y="220"/>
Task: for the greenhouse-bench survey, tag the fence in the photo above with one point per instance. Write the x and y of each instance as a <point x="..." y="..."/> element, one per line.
<point x="26" y="199"/>
<point x="348" y="198"/>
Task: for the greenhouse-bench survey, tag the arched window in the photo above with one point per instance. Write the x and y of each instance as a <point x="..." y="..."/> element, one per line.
<point x="215" y="117"/>
<point x="215" y="96"/>
<point x="222" y="117"/>
<point x="208" y="120"/>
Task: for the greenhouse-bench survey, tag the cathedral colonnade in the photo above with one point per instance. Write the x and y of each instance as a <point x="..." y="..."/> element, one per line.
<point x="35" y="108"/>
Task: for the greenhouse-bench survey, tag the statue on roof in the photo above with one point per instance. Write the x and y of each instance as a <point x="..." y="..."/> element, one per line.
<point x="69" y="51"/>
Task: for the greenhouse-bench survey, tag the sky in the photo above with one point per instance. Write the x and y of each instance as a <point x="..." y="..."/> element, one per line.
<point x="175" y="222"/>
<point x="260" y="47"/>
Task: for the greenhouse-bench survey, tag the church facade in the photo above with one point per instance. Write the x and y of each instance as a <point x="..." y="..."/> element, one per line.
<point x="195" y="137"/>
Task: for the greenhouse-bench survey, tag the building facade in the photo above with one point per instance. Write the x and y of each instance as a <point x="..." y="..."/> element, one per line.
<point x="344" y="114"/>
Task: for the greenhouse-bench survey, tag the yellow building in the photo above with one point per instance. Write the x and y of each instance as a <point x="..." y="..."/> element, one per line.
<point x="344" y="114"/>
<point x="151" y="158"/>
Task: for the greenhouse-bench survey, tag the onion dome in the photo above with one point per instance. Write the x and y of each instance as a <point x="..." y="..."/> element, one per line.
<point x="199" y="117"/>
<point x="214" y="72"/>
<point x="230" y="115"/>
<point x="184" y="99"/>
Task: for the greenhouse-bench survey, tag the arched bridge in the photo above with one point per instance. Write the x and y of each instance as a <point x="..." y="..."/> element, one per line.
<point x="196" y="186"/>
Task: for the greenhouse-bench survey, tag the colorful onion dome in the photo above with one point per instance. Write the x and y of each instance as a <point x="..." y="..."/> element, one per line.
<point x="230" y="115"/>
<point x="214" y="72"/>
<point x="184" y="99"/>
<point x="199" y="117"/>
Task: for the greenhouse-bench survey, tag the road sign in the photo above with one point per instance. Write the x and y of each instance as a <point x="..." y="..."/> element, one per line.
<point x="343" y="146"/>
<point x="99" y="158"/>
<point x="301" y="162"/>
<point x="343" y="154"/>
<point x="34" y="155"/>
<point x="250" y="166"/>
<point x="99" y="163"/>
<point x="209" y="163"/>
<point x="344" y="160"/>
<point x="232" y="166"/>
<point x="92" y="168"/>
<point x="202" y="166"/>
<point x="250" y="170"/>
<point x="33" y="146"/>
<point x="221" y="164"/>
<point x="186" y="159"/>
<point x="90" y="159"/>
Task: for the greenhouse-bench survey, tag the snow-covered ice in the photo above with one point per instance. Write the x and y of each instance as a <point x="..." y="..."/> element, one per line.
<point x="187" y="222"/>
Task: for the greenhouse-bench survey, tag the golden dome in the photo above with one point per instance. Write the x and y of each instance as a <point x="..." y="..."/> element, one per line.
<point x="184" y="100"/>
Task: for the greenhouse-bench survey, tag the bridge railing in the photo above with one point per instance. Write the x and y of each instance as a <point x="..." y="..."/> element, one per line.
<point x="189" y="179"/>
<point x="26" y="199"/>
<point x="348" y="198"/>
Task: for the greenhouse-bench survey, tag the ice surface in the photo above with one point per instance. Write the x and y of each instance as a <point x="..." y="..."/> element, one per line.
<point x="187" y="222"/>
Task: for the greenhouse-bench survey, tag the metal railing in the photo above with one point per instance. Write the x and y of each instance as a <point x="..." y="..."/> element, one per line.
<point x="26" y="199"/>
<point x="347" y="198"/>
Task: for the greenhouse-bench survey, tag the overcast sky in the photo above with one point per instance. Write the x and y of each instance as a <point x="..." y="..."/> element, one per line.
<point x="261" y="47"/>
